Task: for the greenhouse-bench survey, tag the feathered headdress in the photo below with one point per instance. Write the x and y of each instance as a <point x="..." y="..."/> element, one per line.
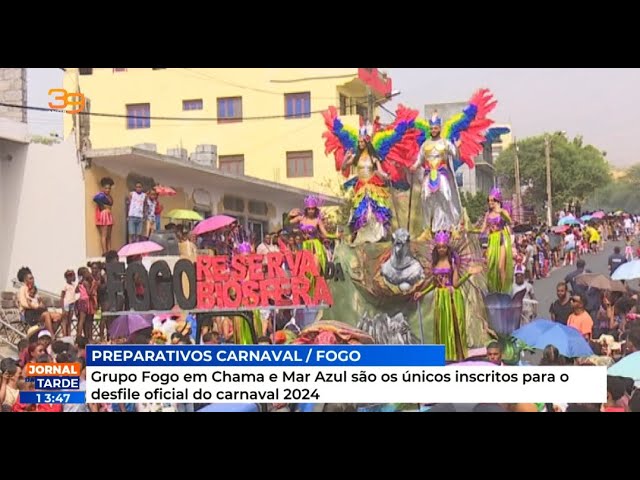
<point x="435" y="120"/>
<point x="442" y="238"/>
<point x="366" y="130"/>
<point x="496" y="193"/>
<point x="312" y="202"/>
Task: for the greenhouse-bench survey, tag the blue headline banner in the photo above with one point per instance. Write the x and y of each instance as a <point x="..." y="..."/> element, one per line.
<point x="52" y="397"/>
<point x="265" y="355"/>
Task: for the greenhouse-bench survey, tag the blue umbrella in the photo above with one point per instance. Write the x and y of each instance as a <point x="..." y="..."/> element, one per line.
<point x="627" y="271"/>
<point x="570" y="220"/>
<point x="568" y="340"/>
<point x="586" y="218"/>
<point x="628" y="367"/>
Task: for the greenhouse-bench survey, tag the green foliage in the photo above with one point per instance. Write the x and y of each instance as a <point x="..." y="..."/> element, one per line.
<point x="44" y="140"/>
<point x="577" y="170"/>
<point x="474" y="204"/>
<point x="623" y="194"/>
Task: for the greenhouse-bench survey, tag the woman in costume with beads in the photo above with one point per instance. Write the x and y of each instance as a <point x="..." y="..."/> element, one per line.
<point x="373" y="154"/>
<point x="450" y="267"/>
<point x="499" y="253"/>
<point x="310" y="223"/>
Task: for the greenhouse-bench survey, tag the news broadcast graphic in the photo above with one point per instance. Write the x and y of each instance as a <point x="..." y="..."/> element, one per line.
<point x="52" y="397"/>
<point x="323" y="374"/>
<point x="50" y="382"/>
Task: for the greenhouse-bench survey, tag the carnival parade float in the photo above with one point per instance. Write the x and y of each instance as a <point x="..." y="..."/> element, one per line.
<point x="413" y="268"/>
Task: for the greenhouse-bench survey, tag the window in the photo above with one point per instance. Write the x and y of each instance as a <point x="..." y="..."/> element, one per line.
<point x="300" y="164"/>
<point x="257" y="229"/>
<point x="233" y="164"/>
<point x="258" y="208"/>
<point x="229" y="109"/>
<point x="120" y="70"/>
<point x="343" y="104"/>
<point x="192" y="104"/>
<point x="297" y="105"/>
<point x="234" y="204"/>
<point x="85" y="71"/>
<point x="138" y="110"/>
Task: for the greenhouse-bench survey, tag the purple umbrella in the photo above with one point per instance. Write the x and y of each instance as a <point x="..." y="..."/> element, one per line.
<point x="125" y="325"/>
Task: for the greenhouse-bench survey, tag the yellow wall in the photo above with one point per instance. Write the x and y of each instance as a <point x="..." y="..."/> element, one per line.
<point x="119" y="193"/>
<point x="264" y="142"/>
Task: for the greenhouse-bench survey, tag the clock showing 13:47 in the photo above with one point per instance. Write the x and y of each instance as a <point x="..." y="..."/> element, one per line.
<point x="52" y="397"/>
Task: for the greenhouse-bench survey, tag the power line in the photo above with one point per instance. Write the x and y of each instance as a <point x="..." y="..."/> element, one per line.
<point x="189" y="119"/>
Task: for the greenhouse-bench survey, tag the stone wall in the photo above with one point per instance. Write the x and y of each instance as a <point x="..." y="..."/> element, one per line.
<point x="13" y="89"/>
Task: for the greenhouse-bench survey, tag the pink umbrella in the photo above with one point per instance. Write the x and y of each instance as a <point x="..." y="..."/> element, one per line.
<point x="212" y="224"/>
<point x="163" y="191"/>
<point x="599" y="214"/>
<point x="561" y="229"/>
<point x="139" y="248"/>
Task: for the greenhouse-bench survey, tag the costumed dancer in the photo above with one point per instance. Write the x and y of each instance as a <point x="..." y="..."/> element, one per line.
<point x="443" y="149"/>
<point x="104" y="218"/>
<point x="499" y="253"/>
<point x="374" y="154"/>
<point x="450" y="267"/>
<point x="312" y="227"/>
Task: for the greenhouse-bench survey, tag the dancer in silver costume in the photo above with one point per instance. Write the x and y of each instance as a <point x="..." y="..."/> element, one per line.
<point x="441" y="206"/>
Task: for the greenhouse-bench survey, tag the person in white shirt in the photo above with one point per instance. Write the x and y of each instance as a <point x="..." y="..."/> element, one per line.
<point x="135" y="216"/>
<point x="267" y="246"/>
<point x="569" y="248"/>
<point x="529" y="301"/>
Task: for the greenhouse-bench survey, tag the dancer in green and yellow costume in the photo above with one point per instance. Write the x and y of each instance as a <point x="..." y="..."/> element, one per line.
<point x="449" y="269"/>
<point x="499" y="252"/>
<point x="312" y="227"/>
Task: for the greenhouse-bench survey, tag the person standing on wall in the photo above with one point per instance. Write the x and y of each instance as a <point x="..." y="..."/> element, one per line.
<point x="135" y="215"/>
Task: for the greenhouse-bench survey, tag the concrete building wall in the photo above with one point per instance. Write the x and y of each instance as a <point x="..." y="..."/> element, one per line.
<point x="263" y="136"/>
<point x="42" y="211"/>
<point x="13" y="89"/>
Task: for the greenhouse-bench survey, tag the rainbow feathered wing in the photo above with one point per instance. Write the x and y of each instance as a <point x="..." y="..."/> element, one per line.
<point x="396" y="145"/>
<point x="339" y="138"/>
<point x="467" y="129"/>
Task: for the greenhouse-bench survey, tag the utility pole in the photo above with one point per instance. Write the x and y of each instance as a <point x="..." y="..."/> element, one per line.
<point x="547" y="154"/>
<point x="518" y="205"/>
<point x="370" y="106"/>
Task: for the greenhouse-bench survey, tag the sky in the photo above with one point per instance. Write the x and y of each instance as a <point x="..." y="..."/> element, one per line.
<point x="599" y="104"/>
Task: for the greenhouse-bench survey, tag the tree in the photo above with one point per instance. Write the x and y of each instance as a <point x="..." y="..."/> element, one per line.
<point x="632" y="176"/>
<point x="474" y="204"/>
<point x="623" y="194"/>
<point x="44" y="140"/>
<point x="576" y="170"/>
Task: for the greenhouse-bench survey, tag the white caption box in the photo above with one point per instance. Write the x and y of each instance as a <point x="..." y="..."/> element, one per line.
<point x="584" y="384"/>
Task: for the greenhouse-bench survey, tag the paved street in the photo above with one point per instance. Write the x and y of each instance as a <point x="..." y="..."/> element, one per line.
<point x="545" y="289"/>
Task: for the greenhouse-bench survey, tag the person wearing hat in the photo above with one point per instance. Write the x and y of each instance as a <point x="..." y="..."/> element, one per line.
<point x="44" y="339"/>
